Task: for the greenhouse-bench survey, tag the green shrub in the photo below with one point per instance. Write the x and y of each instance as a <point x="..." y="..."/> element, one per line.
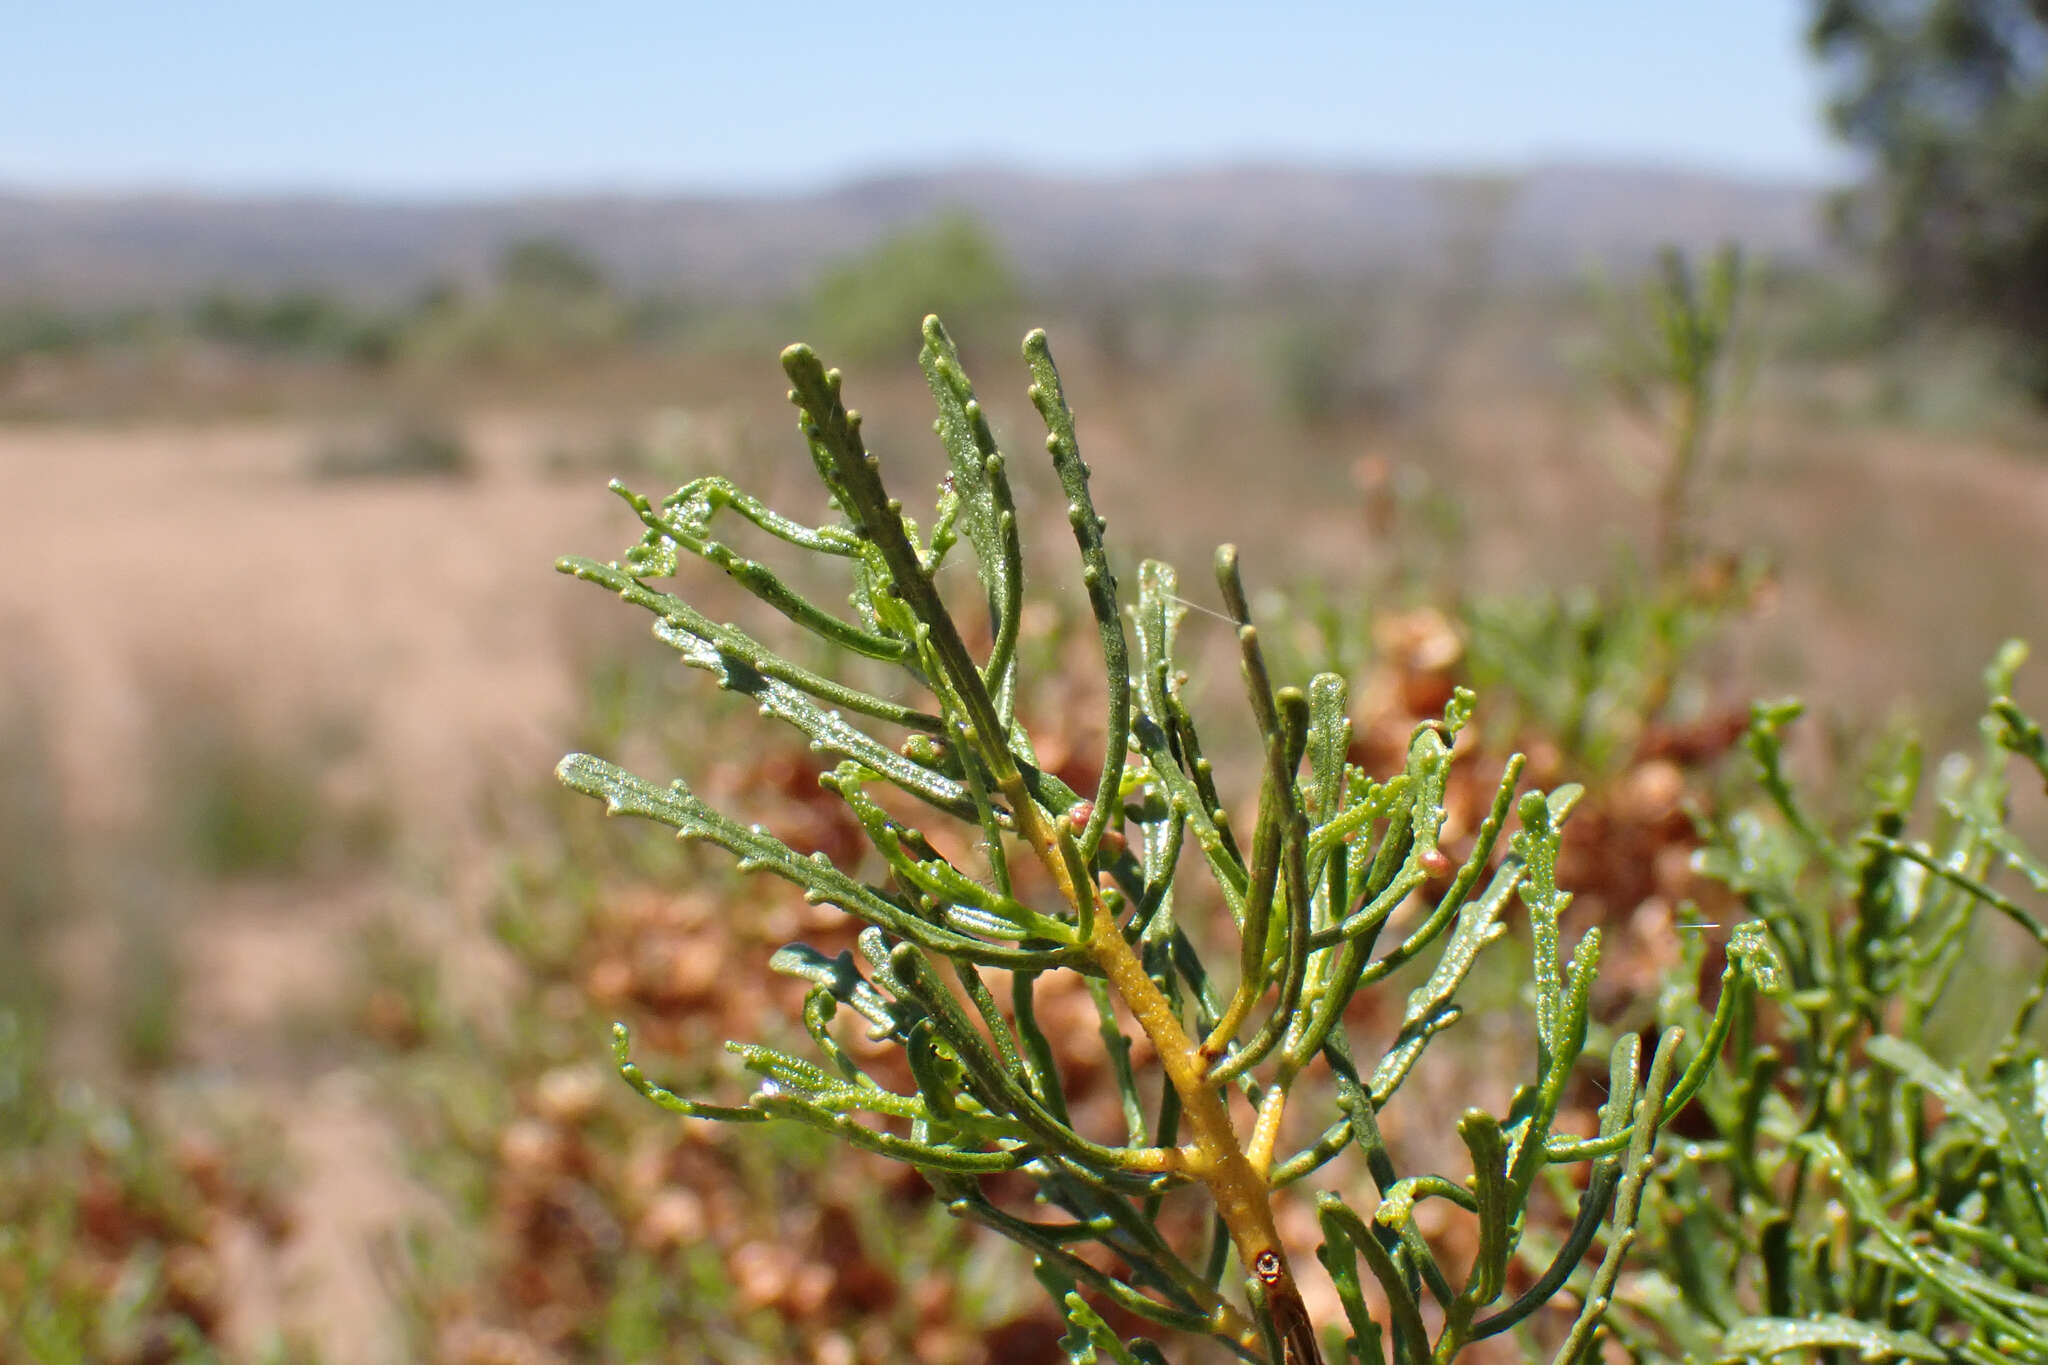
<point x="239" y="807"/>
<point x="548" y="302"/>
<point x="410" y="447"/>
<point x="297" y="322"/>
<point x="1867" y="1179"/>
<point x="235" y="800"/>
<point x="1592" y="669"/>
<point x="1321" y="368"/>
<point x="1025" y="879"/>
<point x="950" y="265"/>
<point x="34" y="851"/>
<point x="549" y="268"/>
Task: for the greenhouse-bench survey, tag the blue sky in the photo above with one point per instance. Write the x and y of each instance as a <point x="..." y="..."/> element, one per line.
<point x="463" y="98"/>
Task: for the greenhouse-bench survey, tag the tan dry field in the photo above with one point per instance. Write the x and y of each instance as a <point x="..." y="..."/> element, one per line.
<point x="199" y="561"/>
<point x="157" y="559"/>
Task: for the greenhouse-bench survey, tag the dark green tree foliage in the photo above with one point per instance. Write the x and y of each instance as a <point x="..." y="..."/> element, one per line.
<point x="548" y="299"/>
<point x="1853" y="1190"/>
<point x="298" y="322"/>
<point x="548" y="266"/>
<point x="950" y="265"/>
<point x="1055" y="880"/>
<point x="1950" y="100"/>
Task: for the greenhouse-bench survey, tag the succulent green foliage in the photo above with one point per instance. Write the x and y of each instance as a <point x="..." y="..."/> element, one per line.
<point x="1591" y="667"/>
<point x="1859" y="1195"/>
<point x="1330" y="891"/>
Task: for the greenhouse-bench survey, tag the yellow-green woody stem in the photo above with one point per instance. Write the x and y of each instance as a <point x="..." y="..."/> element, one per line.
<point x="1216" y="1157"/>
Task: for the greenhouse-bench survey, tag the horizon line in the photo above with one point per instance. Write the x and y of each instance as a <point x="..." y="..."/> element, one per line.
<point x="145" y="188"/>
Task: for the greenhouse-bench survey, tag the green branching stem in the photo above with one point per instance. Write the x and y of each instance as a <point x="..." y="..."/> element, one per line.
<point x="1628" y="1201"/>
<point x="1050" y="399"/>
<point x="756" y="577"/>
<point x="979" y="481"/>
<point x="742" y="649"/>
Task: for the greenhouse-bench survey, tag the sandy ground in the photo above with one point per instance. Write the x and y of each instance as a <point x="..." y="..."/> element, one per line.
<point x="169" y="567"/>
<point x="426" y="612"/>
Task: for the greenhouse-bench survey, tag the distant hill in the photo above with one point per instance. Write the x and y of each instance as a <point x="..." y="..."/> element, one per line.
<point x="1218" y="222"/>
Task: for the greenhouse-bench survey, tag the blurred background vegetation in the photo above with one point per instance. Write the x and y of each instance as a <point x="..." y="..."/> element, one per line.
<point x="302" y="1017"/>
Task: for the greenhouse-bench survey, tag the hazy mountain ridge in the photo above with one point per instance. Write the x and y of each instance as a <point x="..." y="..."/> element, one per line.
<point x="1218" y="222"/>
